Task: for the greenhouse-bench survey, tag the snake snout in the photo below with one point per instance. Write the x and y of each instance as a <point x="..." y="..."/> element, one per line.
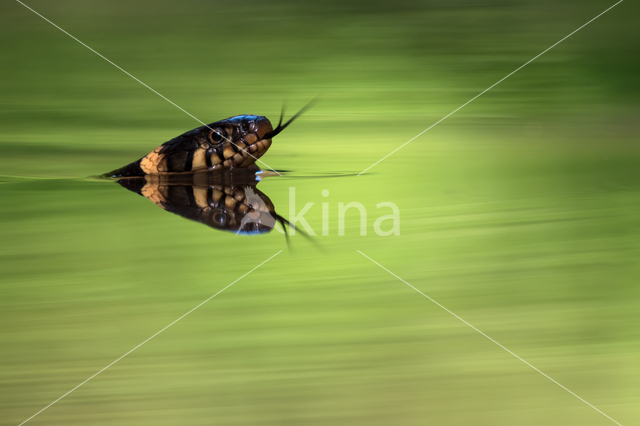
<point x="263" y="126"/>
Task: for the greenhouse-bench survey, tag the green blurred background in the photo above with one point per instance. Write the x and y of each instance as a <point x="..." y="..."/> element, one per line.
<point x="519" y="213"/>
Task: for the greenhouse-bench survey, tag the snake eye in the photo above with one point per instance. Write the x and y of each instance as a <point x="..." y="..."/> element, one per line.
<point x="220" y="218"/>
<point x="215" y="136"/>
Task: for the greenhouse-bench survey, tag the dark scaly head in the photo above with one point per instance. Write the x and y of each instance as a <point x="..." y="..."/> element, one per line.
<point x="236" y="142"/>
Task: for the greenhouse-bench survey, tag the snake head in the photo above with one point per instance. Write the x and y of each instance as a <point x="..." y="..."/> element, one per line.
<point x="239" y="127"/>
<point x="236" y="142"/>
<point x="244" y="138"/>
<point x="233" y="143"/>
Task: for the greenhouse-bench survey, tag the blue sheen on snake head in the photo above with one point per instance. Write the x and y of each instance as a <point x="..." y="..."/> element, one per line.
<point x="246" y="124"/>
